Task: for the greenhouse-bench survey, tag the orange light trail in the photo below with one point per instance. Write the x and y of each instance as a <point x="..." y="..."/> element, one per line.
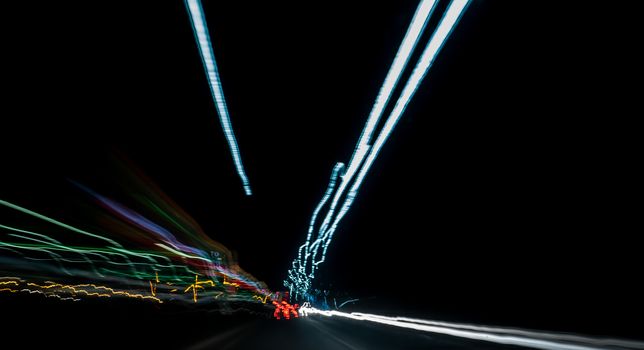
<point x="198" y="284"/>
<point x="226" y="283"/>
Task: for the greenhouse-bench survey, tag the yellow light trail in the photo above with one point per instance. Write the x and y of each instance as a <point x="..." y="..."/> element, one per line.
<point x="198" y="284"/>
<point x="194" y="287"/>
<point x="75" y="289"/>
<point x="263" y="300"/>
<point x="230" y="283"/>
<point x="9" y="282"/>
<point x="181" y="253"/>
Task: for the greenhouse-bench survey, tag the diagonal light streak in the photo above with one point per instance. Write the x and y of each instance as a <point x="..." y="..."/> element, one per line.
<point x="313" y="252"/>
<point x="56" y="222"/>
<point x="445" y="27"/>
<point x="198" y="20"/>
<point x="414" y="32"/>
<point x="418" y="23"/>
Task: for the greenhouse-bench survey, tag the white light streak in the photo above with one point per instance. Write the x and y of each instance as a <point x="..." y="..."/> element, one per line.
<point x="200" y="28"/>
<point x="508" y="336"/>
<point x="365" y="153"/>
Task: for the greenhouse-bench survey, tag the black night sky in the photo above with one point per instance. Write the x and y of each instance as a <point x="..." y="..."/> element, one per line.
<point x="500" y="197"/>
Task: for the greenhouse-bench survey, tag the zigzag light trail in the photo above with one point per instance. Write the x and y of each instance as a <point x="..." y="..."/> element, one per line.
<point x="303" y="268"/>
<point x="506" y="336"/>
<point x="200" y="28"/>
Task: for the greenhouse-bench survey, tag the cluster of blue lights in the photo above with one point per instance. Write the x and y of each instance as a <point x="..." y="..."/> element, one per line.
<point x="313" y="252"/>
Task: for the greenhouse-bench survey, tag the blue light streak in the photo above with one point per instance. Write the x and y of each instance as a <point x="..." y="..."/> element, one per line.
<point x="309" y="255"/>
<point x="197" y="18"/>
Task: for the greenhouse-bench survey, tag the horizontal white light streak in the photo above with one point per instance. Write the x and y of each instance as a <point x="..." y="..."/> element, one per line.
<point x="508" y="336"/>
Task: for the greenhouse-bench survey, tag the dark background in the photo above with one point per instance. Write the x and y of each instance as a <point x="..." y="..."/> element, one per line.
<point x="503" y="196"/>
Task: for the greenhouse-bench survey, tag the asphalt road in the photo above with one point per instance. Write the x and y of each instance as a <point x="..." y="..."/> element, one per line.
<point x="314" y="333"/>
<point x="37" y="323"/>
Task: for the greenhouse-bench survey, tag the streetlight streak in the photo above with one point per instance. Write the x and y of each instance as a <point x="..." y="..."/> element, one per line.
<point x="309" y="254"/>
<point x="200" y="28"/>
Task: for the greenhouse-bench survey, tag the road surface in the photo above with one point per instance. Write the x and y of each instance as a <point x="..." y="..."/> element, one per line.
<point x="313" y="333"/>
